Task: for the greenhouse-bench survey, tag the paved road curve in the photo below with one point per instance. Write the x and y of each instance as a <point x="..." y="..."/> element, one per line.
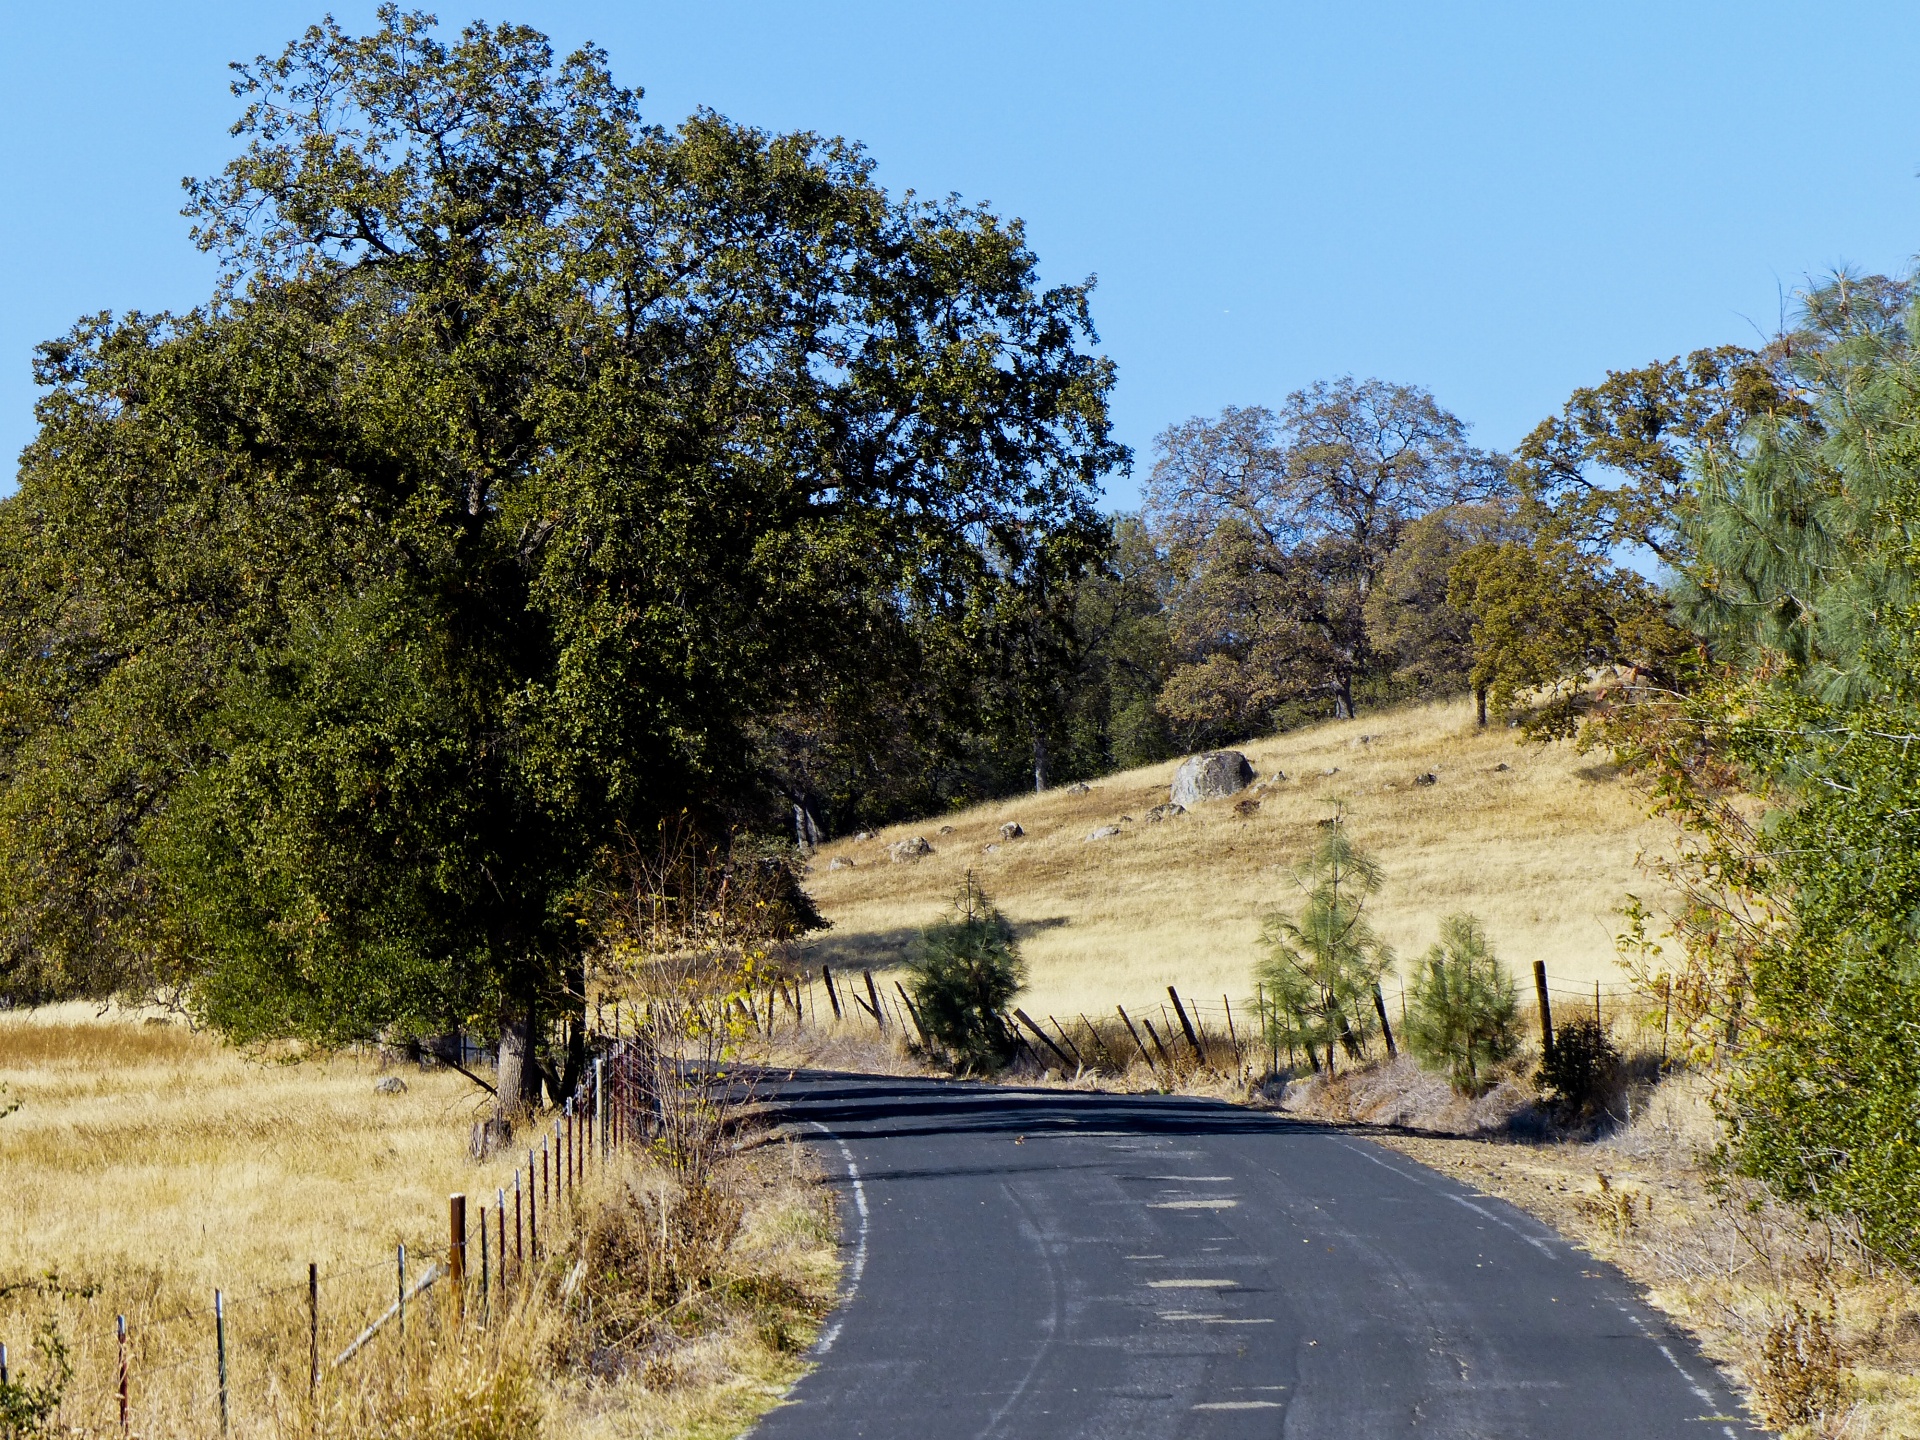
<point x="1040" y="1264"/>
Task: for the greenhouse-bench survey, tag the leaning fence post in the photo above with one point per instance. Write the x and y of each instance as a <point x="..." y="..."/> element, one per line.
<point x="833" y="995"/>
<point x="313" y="1328"/>
<point x="1186" y="1025"/>
<point x="1136" y="1038"/>
<point x="1546" y="1009"/>
<point x="457" y="1253"/>
<point x="400" y="1266"/>
<point x="120" y="1330"/>
<point x="220" y="1351"/>
<point x="873" y="998"/>
<point x="1380" y="1006"/>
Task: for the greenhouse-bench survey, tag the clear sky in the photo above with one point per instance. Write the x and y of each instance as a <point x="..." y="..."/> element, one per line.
<point x="1497" y="202"/>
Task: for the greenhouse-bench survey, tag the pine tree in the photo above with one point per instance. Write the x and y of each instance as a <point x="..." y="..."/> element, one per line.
<point x="1323" y="961"/>
<point x="1462" y="1006"/>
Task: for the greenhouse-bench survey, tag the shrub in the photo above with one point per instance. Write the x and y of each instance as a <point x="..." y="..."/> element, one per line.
<point x="1322" y="963"/>
<point x="25" y="1408"/>
<point x="1460" y="1014"/>
<point x="1581" y="1073"/>
<point x="965" y="971"/>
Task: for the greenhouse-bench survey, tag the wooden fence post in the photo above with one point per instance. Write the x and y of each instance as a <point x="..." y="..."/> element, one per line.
<point x="220" y="1351"/>
<point x="601" y="1135"/>
<point x="1136" y="1039"/>
<point x="1233" y="1038"/>
<point x="1380" y="1005"/>
<point x="1596" y="1004"/>
<point x="1546" y="1009"/>
<point x="486" y="1270"/>
<point x="1154" y="1035"/>
<point x="313" y="1329"/>
<point x="833" y="995"/>
<point x="914" y="1011"/>
<point x="1666" y="1015"/>
<point x="1067" y="1040"/>
<point x="1027" y="1020"/>
<point x="1185" y="1024"/>
<point x="120" y="1331"/>
<point x="457" y="1253"/>
<point x="873" y="998"/>
<point x="400" y="1269"/>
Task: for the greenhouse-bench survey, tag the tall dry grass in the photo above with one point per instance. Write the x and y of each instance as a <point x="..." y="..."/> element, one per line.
<point x="148" y="1165"/>
<point x="1542" y="850"/>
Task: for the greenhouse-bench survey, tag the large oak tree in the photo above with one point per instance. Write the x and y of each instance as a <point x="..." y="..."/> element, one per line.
<point x="529" y="458"/>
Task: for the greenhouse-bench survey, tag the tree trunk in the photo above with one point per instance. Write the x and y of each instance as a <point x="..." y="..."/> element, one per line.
<point x="576" y="1063"/>
<point x="1480" y="706"/>
<point x="806" y="829"/>
<point x="517" y="1076"/>
<point x="1039" y="764"/>
<point x="1343" y="698"/>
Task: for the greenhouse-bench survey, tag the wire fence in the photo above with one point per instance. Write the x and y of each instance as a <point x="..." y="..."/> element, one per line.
<point x="240" y="1357"/>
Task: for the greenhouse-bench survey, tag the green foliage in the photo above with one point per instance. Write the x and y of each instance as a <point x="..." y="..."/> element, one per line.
<point x="533" y="470"/>
<point x="1277" y="527"/>
<point x="1583" y="1072"/>
<point x="1321" y="962"/>
<point x="964" y="973"/>
<point x="1804" y="582"/>
<point x="27" y="1408"/>
<point x="1461" y="1010"/>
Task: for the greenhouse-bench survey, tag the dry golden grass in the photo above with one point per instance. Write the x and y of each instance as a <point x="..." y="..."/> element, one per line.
<point x="148" y="1165"/>
<point x="1543" y="851"/>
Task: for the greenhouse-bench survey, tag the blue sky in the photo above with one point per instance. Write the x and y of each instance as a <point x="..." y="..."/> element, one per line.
<point x="1497" y="202"/>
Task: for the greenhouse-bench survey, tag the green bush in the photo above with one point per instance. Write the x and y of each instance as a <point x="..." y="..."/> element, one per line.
<point x="25" y="1408"/>
<point x="965" y="971"/>
<point x="1583" y="1071"/>
<point x="1460" y="1013"/>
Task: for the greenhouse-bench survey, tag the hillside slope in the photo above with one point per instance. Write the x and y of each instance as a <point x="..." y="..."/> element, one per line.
<point x="1543" y="851"/>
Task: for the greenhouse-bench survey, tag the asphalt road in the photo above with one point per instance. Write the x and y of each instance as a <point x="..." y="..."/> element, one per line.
<point x="1039" y="1264"/>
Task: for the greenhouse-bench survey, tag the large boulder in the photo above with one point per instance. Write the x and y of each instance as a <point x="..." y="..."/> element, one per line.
<point x="903" y="852"/>
<point x="1212" y="776"/>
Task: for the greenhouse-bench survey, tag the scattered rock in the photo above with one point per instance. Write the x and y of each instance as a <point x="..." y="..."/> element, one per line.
<point x="1212" y="776"/>
<point x="1011" y="830"/>
<point x="1164" y="812"/>
<point x="901" y="851"/>
<point x="839" y="863"/>
<point x="1079" y="787"/>
<point x="860" y="835"/>
<point x="391" y="1085"/>
<point x="1498" y="768"/>
<point x="1105" y="832"/>
<point x="990" y="849"/>
<point x="1126" y="819"/>
<point x="946" y="829"/>
<point x="1427" y="779"/>
<point x="1360" y="742"/>
<point x="1246" y="807"/>
<point x="1331" y="770"/>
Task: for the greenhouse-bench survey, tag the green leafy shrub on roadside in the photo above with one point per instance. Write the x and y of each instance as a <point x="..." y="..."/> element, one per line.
<point x="1461" y="1009"/>
<point x="1583" y="1071"/>
<point x="964" y="973"/>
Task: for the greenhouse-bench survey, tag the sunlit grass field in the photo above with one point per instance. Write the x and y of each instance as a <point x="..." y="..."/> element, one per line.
<point x="1543" y="850"/>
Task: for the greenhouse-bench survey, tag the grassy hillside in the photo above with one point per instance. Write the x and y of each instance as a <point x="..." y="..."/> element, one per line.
<point x="1543" y="851"/>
